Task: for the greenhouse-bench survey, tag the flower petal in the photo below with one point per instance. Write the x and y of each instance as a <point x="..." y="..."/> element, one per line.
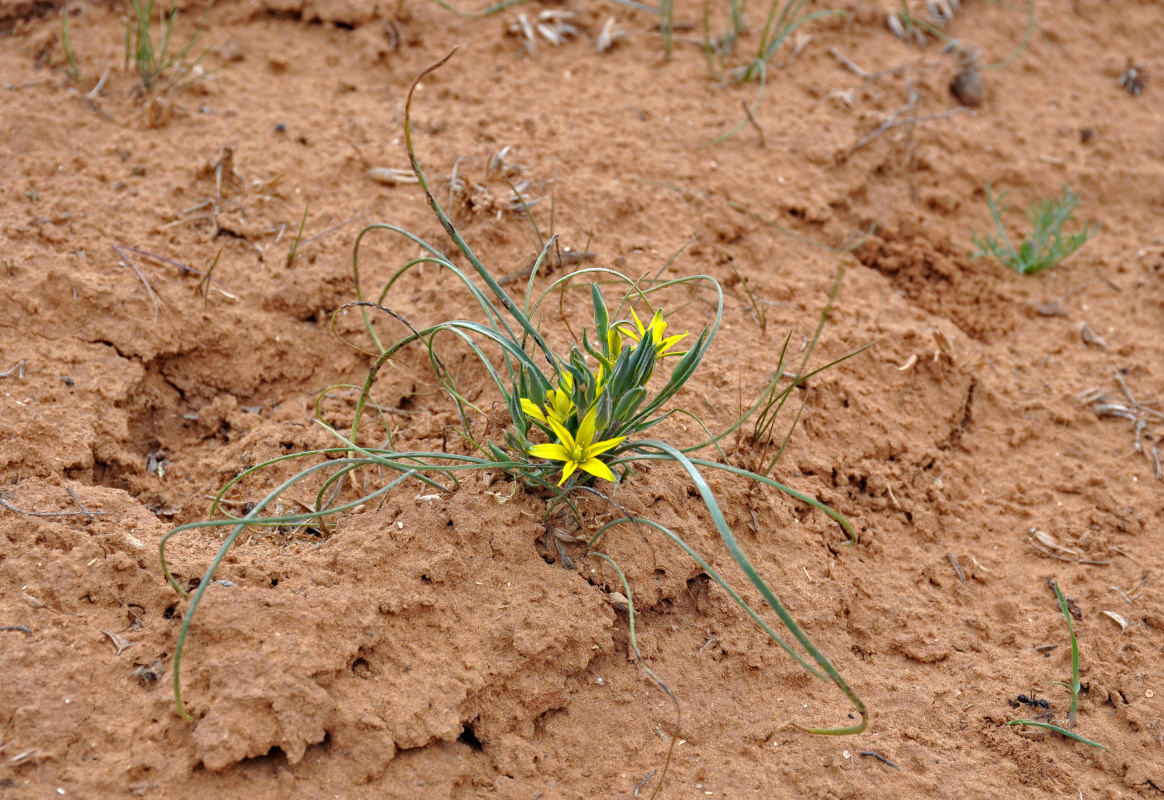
<point x="568" y="470"/>
<point x="638" y="324"/>
<point x="531" y="409"/>
<point x="598" y="448"/>
<point x="597" y="469"/>
<point x="563" y="435"/>
<point x="586" y="430"/>
<point x="554" y="451"/>
<point x="656" y="327"/>
<point x="628" y="333"/>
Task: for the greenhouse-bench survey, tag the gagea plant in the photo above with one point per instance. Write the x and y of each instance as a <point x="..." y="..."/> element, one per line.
<point x="580" y="417"/>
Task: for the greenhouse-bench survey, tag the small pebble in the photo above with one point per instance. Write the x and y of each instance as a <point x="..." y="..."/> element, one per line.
<point x="968" y="87"/>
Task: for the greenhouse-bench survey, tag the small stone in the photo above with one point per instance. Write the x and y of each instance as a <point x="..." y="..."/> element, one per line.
<point x="232" y="50"/>
<point x="968" y="87"/>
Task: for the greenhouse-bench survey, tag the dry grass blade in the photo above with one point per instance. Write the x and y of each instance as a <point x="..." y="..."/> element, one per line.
<point x="127" y="261"/>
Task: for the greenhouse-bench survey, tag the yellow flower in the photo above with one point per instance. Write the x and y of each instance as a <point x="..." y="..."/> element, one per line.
<point x="559" y="402"/>
<point x="656" y="327"/>
<point x="579" y="451"/>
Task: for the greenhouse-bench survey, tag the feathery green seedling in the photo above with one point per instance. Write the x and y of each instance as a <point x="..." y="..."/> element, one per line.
<point x="1045" y="246"/>
<point x="577" y="415"/>
<point x="150" y="52"/>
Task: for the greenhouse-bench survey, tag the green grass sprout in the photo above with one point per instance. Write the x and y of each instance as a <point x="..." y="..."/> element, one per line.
<point x="484" y="12"/>
<point x="294" y="249"/>
<point x="579" y="412"/>
<point x="1021" y="47"/>
<point x="1057" y="729"/>
<point x="757" y="307"/>
<point x="74" y="71"/>
<point x="1072" y="687"/>
<point x="154" y="54"/>
<point x="667" y="26"/>
<point x="1045" y="246"/>
<point x="773" y="398"/>
<point x="782" y="21"/>
<point x="784" y="17"/>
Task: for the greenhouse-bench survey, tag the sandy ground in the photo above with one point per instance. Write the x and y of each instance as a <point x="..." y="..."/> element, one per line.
<point x="435" y="647"/>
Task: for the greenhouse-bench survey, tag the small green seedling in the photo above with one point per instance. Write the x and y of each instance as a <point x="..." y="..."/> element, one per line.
<point x="1072" y="687"/>
<point x="1045" y="246"/>
<point x="151" y="53"/>
<point x="293" y="251"/>
<point x="74" y="71"/>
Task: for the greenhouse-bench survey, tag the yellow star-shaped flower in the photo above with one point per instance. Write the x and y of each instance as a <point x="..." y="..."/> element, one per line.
<point x="559" y="402"/>
<point x="579" y="451"/>
<point x="655" y="328"/>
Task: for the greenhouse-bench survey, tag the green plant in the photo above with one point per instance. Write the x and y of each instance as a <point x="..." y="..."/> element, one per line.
<point x="1073" y="687"/>
<point x="1045" y="246"/>
<point x="152" y="54"/>
<point x="577" y="415"/>
<point x="784" y="17"/>
<point x="1062" y="731"/>
<point x="74" y="71"/>
<point x="293" y="250"/>
<point x="772" y="398"/>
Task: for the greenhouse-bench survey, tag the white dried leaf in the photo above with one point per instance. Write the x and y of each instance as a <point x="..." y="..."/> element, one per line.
<point x="1123" y="623"/>
<point x="895" y="25"/>
<point x="391" y="176"/>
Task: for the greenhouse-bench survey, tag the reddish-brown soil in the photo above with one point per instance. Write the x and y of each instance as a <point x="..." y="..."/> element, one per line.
<point x="432" y="646"/>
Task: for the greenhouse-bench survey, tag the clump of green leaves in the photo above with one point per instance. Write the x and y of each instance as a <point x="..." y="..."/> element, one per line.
<point x="578" y="419"/>
<point x="1046" y="245"/>
<point x="153" y="53"/>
